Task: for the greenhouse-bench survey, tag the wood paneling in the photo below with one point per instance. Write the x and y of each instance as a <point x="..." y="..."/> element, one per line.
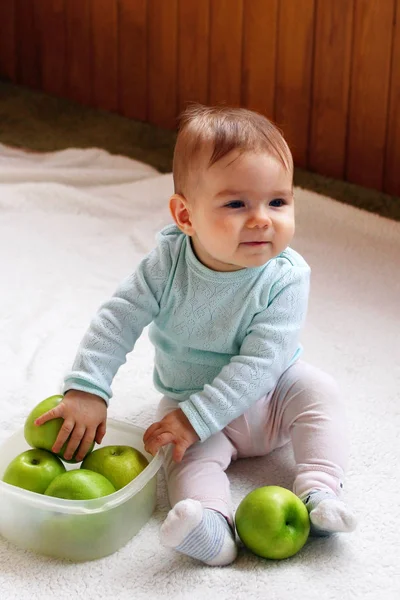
<point x="51" y="29"/>
<point x="163" y="62"/>
<point x="259" y="56"/>
<point x="105" y="54"/>
<point x="79" y="74"/>
<point x="27" y="44"/>
<point x="331" y="83"/>
<point x="226" y="30"/>
<point x="133" y="58"/>
<point x="327" y="71"/>
<point x="193" y="51"/>
<point x="373" y="37"/>
<point x="392" y="164"/>
<point x="294" y="74"/>
<point x="8" y="63"/>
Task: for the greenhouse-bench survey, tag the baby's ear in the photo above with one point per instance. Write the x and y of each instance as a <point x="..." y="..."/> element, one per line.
<point x="180" y="211"/>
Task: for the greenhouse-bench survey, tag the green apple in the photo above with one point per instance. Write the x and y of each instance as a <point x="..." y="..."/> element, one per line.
<point x="80" y="484"/>
<point x="45" y="435"/>
<point x="33" y="470"/>
<point x="272" y="522"/>
<point x="120" y="464"/>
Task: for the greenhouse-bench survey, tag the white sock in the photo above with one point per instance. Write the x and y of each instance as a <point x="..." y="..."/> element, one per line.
<point x="199" y="532"/>
<point x="328" y="514"/>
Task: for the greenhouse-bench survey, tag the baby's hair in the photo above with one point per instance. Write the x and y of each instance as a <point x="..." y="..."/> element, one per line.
<point x="224" y="129"/>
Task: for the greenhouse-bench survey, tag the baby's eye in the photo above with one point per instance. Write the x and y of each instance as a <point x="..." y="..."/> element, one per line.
<point x="235" y="204"/>
<point x="277" y="202"/>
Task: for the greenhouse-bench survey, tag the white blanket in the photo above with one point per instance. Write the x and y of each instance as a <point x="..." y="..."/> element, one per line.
<point x="72" y="224"/>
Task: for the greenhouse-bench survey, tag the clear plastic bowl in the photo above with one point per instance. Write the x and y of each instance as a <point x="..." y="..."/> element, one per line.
<point x="74" y="529"/>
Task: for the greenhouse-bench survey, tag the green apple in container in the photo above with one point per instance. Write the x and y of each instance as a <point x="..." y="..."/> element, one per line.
<point x="33" y="470"/>
<point x="80" y="484"/>
<point x="272" y="522"/>
<point x="44" y="436"/>
<point x="120" y="464"/>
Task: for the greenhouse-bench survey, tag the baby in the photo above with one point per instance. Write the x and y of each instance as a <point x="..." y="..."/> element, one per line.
<point x="227" y="298"/>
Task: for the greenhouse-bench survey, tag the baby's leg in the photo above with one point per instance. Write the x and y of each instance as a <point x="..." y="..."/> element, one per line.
<point x="309" y="410"/>
<point x="200" y="523"/>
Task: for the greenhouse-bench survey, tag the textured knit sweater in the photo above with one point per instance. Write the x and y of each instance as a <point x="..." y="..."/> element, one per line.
<point x="222" y="339"/>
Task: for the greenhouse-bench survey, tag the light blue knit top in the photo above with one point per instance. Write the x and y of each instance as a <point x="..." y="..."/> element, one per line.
<point x="222" y="339"/>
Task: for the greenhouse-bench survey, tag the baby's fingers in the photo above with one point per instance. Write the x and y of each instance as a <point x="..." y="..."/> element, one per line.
<point x="74" y="441"/>
<point x="150" y="431"/>
<point x="55" y="413"/>
<point x="153" y="444"/>
<point x="85" y="445"/>
<point x="179" y="451"/>
<point x="101" y="432"/>
<point x="63" y="435"/>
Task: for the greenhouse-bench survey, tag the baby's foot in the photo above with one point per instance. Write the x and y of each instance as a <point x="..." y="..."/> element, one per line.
<point x="328" y="514"/>
<point x="199" y="532"/>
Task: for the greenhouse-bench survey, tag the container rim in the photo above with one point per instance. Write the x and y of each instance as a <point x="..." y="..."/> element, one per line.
<point x="97" y="505"/>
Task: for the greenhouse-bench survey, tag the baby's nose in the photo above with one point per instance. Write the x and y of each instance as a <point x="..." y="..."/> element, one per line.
<point x="259" y="218"/>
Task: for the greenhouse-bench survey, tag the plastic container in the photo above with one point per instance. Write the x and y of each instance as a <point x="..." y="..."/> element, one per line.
<point x="73" y="529"/>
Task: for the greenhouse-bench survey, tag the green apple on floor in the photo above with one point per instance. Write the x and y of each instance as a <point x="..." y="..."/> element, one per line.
<point x="33" y="470"/>
<point x="80" y="484"/>
<point x="272" y="522"/>
<point x="120" y="464"/>
<point x="45" y="435"/>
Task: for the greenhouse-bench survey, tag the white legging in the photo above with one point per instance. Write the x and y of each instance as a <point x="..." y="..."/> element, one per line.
<point x="304" y="407"/>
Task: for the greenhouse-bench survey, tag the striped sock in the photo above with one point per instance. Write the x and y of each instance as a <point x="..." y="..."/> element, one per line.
<point x="199" y="532"/>
<point x="328" y="514"/>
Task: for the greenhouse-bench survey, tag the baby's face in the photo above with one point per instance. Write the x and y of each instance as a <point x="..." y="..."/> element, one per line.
<point x="242" y="212"/>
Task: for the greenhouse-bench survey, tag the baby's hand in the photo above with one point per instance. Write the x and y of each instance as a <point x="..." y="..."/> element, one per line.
<point x="84" y="421"/>
<point x="174" y="428"/>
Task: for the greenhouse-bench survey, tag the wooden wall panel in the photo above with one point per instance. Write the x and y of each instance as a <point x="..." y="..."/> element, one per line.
<point x="327" y="71"/>
<point x="294" y="74"/>
<point x="193" y="51"/>
<point x="226" y="52"/>
<point x="8" y="63"/>
<point x="132" y="49"/>
<point x="163" y="62"/>
<point x="79" y="75"/>
<point x="259" y="56"/>
<point x="28" y="44"/>
<point x="373" y="36"/>
<point x="392" y="164"/>
<point x="331" y="83"/>
<point x="50" y="24"/>
<point x="105" y="54"/>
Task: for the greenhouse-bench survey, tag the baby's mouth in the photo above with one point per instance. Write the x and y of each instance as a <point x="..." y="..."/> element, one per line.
<point x="255" y="243"/>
